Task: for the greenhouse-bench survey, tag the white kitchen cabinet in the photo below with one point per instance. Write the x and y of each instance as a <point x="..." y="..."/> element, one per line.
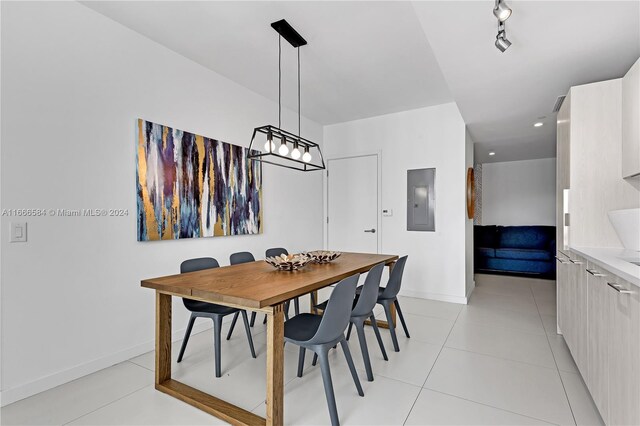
<point x="599" y="316"/>
<point x="599" y="329"/>
<point x="624" y="353"/>
<point x="562" y="292"/>
<point x="577" y="311"/>
<point x="631" y="122"/>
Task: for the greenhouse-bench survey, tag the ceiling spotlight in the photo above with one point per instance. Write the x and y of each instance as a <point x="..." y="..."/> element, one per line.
<point x="538" y="124"/>
<point x="491" y="153"/>
<point x="501" y="41"/>
<point x="502" y="11"/>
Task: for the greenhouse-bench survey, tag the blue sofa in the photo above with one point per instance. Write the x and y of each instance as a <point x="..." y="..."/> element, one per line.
<point x="520" y="250"/>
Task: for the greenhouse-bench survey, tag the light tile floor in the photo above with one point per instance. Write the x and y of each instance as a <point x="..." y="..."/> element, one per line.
<point x="496" y="361"/>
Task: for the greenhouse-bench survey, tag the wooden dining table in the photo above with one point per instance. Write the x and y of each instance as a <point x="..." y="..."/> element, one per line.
<point x="254" y="286"/>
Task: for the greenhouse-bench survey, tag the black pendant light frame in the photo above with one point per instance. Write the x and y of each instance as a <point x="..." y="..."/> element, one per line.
<point x="277" y="134"/>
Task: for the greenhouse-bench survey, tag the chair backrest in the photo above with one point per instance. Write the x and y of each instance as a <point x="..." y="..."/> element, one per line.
<point x="241" y="257"/>
<point x="276" y="251"/>
<point x="335" y="318"/>
<point x="395" y="280"/>
<point x="369" y="294"/>
<point x="198" y="264"/>
<point x="192" y="265"/>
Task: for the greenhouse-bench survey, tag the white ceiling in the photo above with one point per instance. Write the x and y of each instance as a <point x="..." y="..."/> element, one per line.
<point x="363" y="58"/>
<point x="370" y="58"/>
<point x="556" y="45"/>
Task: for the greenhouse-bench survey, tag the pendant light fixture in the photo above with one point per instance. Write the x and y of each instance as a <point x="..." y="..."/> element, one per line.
<point x="281" y="147"/>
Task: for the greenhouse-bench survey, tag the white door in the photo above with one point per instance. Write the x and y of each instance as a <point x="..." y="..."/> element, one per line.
<point x="352" y="204"/>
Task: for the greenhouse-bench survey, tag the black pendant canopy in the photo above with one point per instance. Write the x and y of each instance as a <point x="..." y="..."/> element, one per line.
<point x="274" y="145"/>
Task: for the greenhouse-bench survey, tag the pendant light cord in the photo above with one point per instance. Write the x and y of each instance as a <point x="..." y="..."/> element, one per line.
<point x="298" y="92"/>
<point x="280" y="82"/>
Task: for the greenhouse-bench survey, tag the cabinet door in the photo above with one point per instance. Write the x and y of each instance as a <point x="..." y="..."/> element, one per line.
<point x="577" y="341"/>
<point x="631" y="122"/>
<point x="624" y="353"/>
<point x="599" y="329"/>
<point x="562" y="291"/>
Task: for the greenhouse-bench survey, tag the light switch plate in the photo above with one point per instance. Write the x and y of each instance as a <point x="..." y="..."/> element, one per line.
<point x="18" y="232"/>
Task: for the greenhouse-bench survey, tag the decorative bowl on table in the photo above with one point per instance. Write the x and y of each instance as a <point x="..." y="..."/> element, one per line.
<point x="289" y="262"/>
<point x="323" y="256"/>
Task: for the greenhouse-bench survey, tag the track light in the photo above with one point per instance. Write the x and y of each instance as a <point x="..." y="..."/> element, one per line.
<point x="502" y="11"/>
<point x="501" y="41"/>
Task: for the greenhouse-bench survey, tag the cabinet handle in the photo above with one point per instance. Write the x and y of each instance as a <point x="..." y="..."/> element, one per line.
<point x="561" y="260"/>
<point x="619" y="288"/>
<point x="595" y="273"/>
<point x="575" y="262"/>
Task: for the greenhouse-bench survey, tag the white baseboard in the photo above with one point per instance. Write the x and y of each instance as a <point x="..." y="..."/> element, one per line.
<point x="435" y="296"/>
<point x="17" y="393"/>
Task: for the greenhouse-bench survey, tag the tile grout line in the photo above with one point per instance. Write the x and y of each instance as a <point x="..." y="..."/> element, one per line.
<point x="554" y="357"/>
<point x="491" y="406"/>
<point x="441" y="348"/>
<point x="109" y="403"/>
<point x="431" y="369"/>
<point x="502" y="358"/>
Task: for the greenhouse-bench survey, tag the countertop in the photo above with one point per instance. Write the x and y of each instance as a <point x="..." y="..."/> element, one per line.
<point x="615" y="260"/>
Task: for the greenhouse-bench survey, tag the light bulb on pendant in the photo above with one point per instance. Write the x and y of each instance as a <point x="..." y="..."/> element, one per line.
<point x="269" y="145"/>
<point x="284" y="149"/>
<point x="295" y="153"/>
<point x="306" y="157"/>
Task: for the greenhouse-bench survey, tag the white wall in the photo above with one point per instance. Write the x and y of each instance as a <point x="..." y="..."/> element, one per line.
<point x="468" y="225"/>
<point x="73" y="85"/>
<point x="519" y="192"/>
<point x="421" y="138"/>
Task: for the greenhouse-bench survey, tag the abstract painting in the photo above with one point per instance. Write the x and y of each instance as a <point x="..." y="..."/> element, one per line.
<point x="190" y="186"/>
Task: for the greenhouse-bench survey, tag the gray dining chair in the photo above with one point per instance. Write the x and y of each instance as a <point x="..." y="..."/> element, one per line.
<point x="212" y="311"/>
<point x="273" y="252"/>
<point x="236" y="259"/>
<point x="362" y="311"/>
<point x="321" y="333"/>
<point x="389" y="295"/>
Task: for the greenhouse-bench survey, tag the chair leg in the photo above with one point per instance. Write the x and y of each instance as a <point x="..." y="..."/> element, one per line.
<point x="352" y="367"/>
<point x="376" y="330"/>
<point x="404" y="324"/>
<point x="217" y="331"/>
<point x="233" y="325"/>
<point x="286" y="310"/>
<point x="264" y="321"/>
<point x="313" y="303"/>
<point x="364" y="349"/>
<point x="328" y="386"/>
<point x="248" y="331"/>
<point x="315" y="359"/>
<point x="392" y="328"/>
<point x="253" y="319"/>
<point x="186" y="337"/>
<point x="301" y="361"/>
<point x="349" y="330"/>
<point x="296" y="306"/>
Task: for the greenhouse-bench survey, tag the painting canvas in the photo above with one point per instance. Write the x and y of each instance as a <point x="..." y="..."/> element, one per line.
<point x="190" y="186"/>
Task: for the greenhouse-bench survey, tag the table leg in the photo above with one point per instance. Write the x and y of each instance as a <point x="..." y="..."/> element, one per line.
<point x="275" y="366"/>
<point x="163" y="338"/>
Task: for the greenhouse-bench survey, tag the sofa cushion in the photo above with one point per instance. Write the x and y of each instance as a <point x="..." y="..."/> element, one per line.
<point x="523" y="254"/>
<point x="486" y="251"/>
<point x="485" y="236"/>
<point x="525" y="237"/>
